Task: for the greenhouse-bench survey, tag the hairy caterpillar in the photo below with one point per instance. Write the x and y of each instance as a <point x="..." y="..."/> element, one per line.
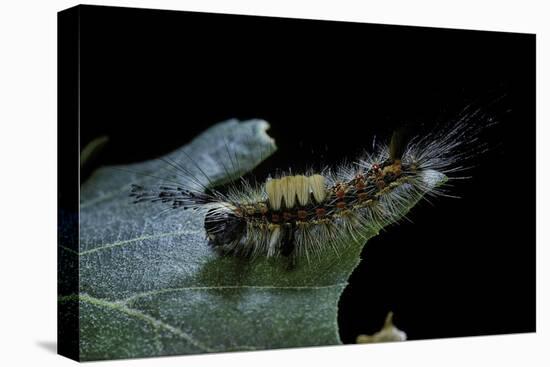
<point x="302" y="214"/>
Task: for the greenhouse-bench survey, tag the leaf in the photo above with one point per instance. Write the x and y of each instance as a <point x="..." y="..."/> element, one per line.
<point x="150" y="285"/>
<point x="92" y="149"/>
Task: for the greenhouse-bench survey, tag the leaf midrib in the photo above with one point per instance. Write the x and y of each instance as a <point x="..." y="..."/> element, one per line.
<point x="124" y="242"/>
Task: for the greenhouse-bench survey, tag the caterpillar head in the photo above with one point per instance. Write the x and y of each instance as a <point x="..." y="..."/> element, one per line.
<point x="223" y="226"/>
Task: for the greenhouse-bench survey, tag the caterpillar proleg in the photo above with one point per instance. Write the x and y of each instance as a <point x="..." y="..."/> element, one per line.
<point x="305" y="214"/>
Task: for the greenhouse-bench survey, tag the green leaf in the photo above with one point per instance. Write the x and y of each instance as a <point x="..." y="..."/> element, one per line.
<point x="150" y="285"/>
<point x="92" y="149"/>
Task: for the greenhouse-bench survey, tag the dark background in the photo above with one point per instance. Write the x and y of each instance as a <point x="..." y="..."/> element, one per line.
<point x="151" y="80"/>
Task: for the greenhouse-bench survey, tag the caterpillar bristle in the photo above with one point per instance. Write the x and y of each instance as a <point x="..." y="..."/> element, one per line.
<point x="398" y="144"/>
<point x="302" y="189"/>
<point x="274" y="193"/>
<point x="317" y="186"/>
<point x="288" y="187"/>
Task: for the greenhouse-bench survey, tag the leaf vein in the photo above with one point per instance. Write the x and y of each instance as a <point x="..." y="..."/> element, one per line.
<point x="68" y="249"/>
<point x="221" y="287"/>
<point x="142" y="238"/>
<point x="104" y="197"/>
<point x="117" y="306"/>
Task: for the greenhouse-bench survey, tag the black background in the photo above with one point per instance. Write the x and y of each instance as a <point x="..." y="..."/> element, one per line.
<point x="151" y="80"/>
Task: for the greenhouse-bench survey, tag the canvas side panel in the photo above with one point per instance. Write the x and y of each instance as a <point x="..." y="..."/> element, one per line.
<point x="68" y="182"/>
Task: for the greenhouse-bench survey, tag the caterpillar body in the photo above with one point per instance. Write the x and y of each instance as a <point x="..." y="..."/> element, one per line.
<point x="301" y="215"/>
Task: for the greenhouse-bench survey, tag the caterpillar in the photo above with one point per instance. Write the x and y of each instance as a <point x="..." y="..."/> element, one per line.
<point x="298" y="215"/>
